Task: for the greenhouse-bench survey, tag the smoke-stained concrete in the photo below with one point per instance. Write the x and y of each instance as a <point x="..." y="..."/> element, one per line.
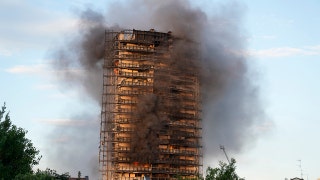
<point x="230" y="101"/>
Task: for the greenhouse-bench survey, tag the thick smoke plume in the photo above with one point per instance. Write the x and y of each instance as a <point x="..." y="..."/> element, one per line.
<point x="79" y="63"/>
<point x="230" y="101"/>
<point x="144" y="145"/>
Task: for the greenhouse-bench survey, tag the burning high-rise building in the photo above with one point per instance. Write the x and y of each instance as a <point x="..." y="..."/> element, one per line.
<point x="150" y="120"/>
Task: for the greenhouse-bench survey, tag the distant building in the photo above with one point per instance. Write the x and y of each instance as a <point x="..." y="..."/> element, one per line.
<point x="296" y="178"/>
<point x="85" y="178"/>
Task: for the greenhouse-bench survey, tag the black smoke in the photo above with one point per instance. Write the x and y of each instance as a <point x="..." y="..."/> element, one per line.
<point x="231" y="106"/>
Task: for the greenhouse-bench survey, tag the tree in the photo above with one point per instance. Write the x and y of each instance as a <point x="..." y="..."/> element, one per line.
<point x="34" y="177"/>
<point x="48" y="174"/>
<point x="17" y="153"/>
<point x="79" y="175"/>
<point x="224" y="172"/>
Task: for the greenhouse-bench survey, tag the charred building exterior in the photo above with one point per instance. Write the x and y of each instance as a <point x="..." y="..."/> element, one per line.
<point x="150" y="119"/>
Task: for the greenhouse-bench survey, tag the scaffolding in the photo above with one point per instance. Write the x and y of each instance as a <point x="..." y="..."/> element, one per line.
<point x="150" y="118"/>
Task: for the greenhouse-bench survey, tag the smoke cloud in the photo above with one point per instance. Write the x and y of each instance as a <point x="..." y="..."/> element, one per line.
<point x="79" y="61"/>
<point x="231" y="110"/>
<point x="72" y="146"/>
<point x="144" y="140"/>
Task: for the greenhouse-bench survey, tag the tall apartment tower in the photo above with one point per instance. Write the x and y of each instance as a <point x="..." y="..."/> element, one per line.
<point x="150" y="119"/>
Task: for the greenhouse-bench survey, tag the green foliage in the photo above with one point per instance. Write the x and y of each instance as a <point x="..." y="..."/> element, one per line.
<point x="223" y="172"/>
<point x="17" y="154"/>
<point x="48" y="174"/>
<point x="33" y="177"/>
<point x="53" y="173"/>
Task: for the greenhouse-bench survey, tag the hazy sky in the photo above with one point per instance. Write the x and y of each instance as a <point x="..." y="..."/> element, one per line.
<point x="283" y="47"/>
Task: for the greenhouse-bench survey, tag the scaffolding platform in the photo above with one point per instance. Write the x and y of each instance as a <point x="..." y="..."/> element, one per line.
<point x="150" y="117"/>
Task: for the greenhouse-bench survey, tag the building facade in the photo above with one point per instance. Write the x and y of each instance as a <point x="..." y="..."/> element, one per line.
<point x="150" y="119"/>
